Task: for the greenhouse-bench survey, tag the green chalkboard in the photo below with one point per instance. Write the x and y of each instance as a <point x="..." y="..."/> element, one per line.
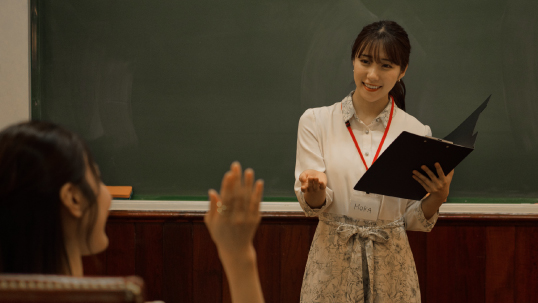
<point x="169" y="93"/>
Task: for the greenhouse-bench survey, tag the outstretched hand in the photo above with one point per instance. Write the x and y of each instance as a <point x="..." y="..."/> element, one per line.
<point x="234" y="215"/>
<point x="313" y="185"/>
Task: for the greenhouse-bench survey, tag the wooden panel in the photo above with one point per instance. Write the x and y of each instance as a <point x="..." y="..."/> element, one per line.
<point x="418" y="243"/>
<point x="456" y="264"/>
<point x="267" y="244"/>
<point x="178" y="262"/>
<point x="500" y="246"/>
<point x="94" y="265"/>
<point x="295" y="243"/>
<point x="226" y="293"/>
<point x="121" y="249"/>
<point x="464" y="259"/>
<point x="526" y="259"/>
<point x="207" y="274"/>
<point x="149" y="257"/>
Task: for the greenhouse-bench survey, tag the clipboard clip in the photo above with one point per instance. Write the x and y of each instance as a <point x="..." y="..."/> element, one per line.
<point x="441" y="140"/>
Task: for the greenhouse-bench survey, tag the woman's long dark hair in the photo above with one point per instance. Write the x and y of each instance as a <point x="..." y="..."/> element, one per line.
<point x="392" y="38"/>
<point x="36" y="160"/>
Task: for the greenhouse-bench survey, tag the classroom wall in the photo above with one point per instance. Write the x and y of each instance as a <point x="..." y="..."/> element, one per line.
<point x="14" y="61"/>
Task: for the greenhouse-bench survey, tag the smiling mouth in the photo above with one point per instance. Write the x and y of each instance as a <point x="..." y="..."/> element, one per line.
<point x="371" y="88"/>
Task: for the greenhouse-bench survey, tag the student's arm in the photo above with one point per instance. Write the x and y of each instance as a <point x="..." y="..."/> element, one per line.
<point x="310" y="178"/>
<point x="232" y="220"/>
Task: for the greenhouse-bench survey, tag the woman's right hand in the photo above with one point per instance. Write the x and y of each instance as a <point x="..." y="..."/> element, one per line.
<point x="313" y="185"/>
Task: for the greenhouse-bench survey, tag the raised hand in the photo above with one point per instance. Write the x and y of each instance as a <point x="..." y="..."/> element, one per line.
<point x="232" y="220"/>
<point x="234" y="215"/>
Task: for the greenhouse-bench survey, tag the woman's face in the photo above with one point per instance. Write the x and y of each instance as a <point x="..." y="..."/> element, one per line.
<point x="374" y="80"/>
<point x="98" y="240"/>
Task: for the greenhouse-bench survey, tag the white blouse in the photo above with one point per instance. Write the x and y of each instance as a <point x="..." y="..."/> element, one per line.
<point x="324" y="144"/>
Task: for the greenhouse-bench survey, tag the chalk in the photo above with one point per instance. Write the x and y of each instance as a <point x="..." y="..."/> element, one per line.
<point x="121" y="192"/>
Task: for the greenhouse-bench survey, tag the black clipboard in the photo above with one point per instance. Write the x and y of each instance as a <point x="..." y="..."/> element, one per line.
<point x="391" y="174"/>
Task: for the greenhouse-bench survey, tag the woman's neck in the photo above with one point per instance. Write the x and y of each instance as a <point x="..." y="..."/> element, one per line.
<point x="72" y="243"/>
<point x="368" y="111"/>
<point x="74" y="261"/>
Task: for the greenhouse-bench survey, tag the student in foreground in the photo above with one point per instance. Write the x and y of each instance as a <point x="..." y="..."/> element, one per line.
<point x="54" y="208"/>
<point x="360" y="252"/>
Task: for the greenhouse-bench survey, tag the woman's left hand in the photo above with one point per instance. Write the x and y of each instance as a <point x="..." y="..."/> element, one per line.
<point x="437" y="187"/>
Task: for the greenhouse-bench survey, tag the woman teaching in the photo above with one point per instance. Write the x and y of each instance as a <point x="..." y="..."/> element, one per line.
<point x="359" y="256"/>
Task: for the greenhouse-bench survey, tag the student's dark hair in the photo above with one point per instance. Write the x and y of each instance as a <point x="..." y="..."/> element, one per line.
<point x="392" y="38"/>
<point x="36" y="160"/>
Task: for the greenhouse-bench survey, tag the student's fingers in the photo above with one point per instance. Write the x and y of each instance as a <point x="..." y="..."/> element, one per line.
<point x="232" y="178"/>
<point x="249" y="180"/>
<point x="245" y="191"/>
<point x="256" y="197"/>
<point x="236" y="169"/>
<point x="227" y="189"/>
<point x="213" y="199"/>
<point x="237" y="193"/>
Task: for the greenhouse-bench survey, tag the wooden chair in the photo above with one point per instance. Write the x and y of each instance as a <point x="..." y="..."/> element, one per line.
<point x="50" y="288"/>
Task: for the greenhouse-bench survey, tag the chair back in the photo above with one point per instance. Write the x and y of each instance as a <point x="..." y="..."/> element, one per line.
<point x="52" y="288"/>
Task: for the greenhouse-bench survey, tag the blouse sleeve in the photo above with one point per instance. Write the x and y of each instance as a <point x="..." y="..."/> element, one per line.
<point x="414" y="216"/>
<point x="309" y="156"/>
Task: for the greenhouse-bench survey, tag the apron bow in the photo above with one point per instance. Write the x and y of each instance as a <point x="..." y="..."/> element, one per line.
<point x="370" y="234"/>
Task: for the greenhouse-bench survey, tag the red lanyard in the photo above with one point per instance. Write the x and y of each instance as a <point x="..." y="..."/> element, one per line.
<point x="348" y="125"/>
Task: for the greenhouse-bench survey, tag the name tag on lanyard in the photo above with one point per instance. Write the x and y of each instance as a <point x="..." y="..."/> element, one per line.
<point x="364" y="206"/>
<point x="361" y="205"/>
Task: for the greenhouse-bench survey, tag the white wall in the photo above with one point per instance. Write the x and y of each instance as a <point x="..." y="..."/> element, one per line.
<point x="14" y="61"/>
